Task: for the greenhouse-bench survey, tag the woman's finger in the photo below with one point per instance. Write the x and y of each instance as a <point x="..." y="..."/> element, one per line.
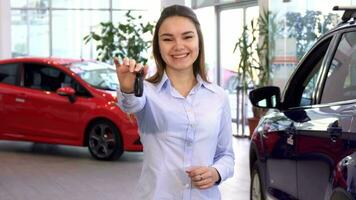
<point x="138" y="67"/>
<point x="125" y="61"/>
<point x="204" y="183"/>
<point x="132" y="65"/>
<point x="117" y="62"/>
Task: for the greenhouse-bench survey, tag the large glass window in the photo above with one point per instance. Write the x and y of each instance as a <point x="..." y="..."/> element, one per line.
<point x="300" y="23"/>
<point x="69" y="28"/>
<point x="30" y="32"/>
<point x="229" y="60"/>
<point x="136" y="5"/>
<point x="207" y="21"/>
<point x="81" y="4"/>
<point x="229" y="36"/>
<point x="30" y="3"/>
<point x="57" y="27"/>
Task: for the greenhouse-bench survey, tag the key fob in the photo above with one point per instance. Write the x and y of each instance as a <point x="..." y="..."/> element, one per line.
<point x="138" y="87"/>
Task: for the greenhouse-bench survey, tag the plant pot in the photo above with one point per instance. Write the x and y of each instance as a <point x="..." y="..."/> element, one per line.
<point x="252" y="124"/>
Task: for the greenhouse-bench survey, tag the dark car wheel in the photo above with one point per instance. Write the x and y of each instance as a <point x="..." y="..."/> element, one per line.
<point x="104" y="141"/>
<point x="340" y="194"/>
<point x="256" y="191"/>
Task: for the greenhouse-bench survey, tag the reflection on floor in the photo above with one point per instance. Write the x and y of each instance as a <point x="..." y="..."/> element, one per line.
<point x="238" y="187"/>
<point x="57" y="172"/>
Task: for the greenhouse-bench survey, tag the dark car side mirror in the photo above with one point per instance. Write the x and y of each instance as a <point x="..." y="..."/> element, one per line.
<point x="266" y="97"/>
<point x="67" y="91"/>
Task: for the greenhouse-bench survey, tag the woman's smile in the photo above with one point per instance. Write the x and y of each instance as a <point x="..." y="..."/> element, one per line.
<point x="179" y="43"/>
<point x="180" y="56"/>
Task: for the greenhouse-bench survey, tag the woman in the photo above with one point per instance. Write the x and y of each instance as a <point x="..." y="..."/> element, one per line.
<point x="184" y="121"/>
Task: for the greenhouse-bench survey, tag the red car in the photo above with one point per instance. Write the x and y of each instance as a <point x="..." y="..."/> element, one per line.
<point x="65" y="101"/>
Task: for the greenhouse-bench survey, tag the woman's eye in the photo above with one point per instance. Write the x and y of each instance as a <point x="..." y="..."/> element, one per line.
<point x="166" y="39"/>
<point x="188" y="37"/>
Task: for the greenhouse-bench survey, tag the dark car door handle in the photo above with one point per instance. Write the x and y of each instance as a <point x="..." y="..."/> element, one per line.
<point x="334" y="130"/>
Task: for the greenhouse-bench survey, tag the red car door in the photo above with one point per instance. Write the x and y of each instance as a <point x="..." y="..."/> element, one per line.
<point x="43" y="114"/>
<point x="9" y="97"/>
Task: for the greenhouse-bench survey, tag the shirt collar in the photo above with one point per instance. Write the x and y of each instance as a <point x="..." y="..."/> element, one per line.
<point x="201" y="83"/>
<point x="163" y="82"/>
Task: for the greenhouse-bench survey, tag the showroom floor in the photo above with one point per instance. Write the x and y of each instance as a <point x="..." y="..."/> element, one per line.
<point x="57" y="172"/>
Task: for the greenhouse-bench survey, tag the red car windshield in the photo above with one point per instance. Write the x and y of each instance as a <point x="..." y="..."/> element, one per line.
<point x="98" y="74"/>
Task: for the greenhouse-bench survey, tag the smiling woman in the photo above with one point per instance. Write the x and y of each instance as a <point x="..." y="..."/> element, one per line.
<point x="181" y="116"/>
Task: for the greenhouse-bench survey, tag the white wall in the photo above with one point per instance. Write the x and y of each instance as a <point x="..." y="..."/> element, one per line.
<point x="5" y="29"/>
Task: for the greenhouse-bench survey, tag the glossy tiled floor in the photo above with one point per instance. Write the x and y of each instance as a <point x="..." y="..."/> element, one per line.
<point x="40" y="172"/>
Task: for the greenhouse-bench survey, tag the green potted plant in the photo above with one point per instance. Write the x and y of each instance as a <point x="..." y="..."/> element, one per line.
<point x="123" y="40"/>
<point x="255" y="46"/>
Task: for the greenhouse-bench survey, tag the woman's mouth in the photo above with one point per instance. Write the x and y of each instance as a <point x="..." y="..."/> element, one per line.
<point x="180" y="56"/>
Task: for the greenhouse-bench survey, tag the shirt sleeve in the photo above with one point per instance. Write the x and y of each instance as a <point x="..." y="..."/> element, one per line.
<point x="129" y="103"/>
<point x="224" y="159"/>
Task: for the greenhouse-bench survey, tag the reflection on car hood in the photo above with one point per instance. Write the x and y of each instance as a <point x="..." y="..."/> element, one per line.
<point x="113" y="93"/>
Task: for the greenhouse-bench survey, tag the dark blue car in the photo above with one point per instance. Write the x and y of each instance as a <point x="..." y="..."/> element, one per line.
<point x="305" y="147"/>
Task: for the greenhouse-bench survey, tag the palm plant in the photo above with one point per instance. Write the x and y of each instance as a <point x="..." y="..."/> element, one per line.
<point x="255" y="46"/>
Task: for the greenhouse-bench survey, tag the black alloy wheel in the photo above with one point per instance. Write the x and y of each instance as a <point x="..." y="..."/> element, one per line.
<point x="104" y="141"/>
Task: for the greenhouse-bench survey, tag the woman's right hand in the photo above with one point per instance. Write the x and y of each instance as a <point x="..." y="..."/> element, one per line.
<point x="126" y="73"/>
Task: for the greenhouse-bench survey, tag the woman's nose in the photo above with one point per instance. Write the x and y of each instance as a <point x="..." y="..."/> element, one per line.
<point x="179" y="44"/>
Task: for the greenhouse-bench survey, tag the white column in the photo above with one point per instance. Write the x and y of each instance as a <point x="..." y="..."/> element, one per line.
<point x="5" y="29"/>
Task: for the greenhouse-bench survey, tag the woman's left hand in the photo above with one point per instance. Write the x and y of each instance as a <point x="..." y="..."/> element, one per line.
<point x="203" y="177"/>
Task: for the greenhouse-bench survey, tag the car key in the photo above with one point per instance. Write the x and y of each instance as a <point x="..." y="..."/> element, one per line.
<point x="138" y="87"/>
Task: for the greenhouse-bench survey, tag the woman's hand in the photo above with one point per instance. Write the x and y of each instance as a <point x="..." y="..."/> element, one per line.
<point x="126" y="73"/>
<point x="203" y="177"/>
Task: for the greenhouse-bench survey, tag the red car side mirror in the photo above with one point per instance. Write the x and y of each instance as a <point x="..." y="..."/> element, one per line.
<point x="67" y="91"/>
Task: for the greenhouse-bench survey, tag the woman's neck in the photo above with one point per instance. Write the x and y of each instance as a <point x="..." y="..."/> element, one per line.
<point x="182" y="81"/>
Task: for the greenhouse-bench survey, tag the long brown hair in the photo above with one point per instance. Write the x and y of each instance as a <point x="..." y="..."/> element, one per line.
<point x="199" y="63"/>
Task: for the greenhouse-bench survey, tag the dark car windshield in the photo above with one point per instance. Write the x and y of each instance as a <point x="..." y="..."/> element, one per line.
<point x="98" y="74"/>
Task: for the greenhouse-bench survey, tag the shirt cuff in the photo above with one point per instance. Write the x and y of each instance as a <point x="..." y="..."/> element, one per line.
<point x="219" y="180"/>
<point x="222" y="172"/>
<point x="125" y="96"/>
<point x="128" y="102"/>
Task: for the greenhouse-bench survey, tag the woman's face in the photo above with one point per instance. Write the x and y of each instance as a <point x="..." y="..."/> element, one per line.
<point x="178" y="43"/>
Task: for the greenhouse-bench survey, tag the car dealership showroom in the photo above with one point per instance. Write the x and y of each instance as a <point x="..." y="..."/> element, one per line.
<point x="99" y="99"/>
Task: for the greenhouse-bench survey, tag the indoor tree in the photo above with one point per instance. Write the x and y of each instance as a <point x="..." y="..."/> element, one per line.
<point x="123" y="40"/>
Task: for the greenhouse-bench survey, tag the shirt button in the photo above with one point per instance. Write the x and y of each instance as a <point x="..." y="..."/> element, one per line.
<point x="187" y="185"/>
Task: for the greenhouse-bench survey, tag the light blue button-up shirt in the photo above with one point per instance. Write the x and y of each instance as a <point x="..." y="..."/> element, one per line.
<point x="178" y="133"/>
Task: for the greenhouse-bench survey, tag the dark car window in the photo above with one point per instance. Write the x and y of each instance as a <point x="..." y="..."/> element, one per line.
<point x="50" y="79"/>
<point x="302" y="87"/>
<point x="9" y="73"/>
<point x="310" y="85"/>
<point x="340" y="84"/>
